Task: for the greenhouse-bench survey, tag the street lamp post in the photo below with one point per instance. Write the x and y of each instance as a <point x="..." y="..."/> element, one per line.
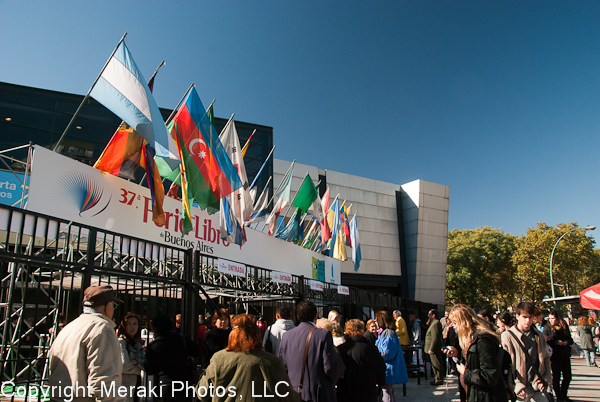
<point x="552" y="255"/>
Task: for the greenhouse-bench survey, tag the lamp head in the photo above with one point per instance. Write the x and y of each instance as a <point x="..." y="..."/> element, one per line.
<point x="590" y="228"/>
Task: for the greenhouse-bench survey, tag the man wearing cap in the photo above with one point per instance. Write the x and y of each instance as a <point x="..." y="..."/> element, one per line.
<point x="85" y="357"/>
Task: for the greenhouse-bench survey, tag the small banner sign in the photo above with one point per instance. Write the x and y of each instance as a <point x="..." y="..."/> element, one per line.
<point x="281" y="277"/>
<point x="233" y="268"/>
<point x="343" y="290"/>
<point x="316" y="285"/>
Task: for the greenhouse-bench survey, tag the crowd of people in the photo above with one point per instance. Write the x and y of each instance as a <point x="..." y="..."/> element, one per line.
<point x="515" y="355"/>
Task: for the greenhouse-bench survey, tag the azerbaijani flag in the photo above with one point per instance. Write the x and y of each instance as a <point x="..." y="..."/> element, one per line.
<point x="209" y="170"/>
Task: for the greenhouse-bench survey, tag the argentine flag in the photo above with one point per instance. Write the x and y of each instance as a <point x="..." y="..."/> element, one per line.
<point x="123" y="90"/>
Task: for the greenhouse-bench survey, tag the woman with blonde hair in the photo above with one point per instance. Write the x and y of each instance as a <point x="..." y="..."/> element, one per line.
<point x="371" y="332"/>
<point x="244" y="370"/>
<point x="480" y="371"/>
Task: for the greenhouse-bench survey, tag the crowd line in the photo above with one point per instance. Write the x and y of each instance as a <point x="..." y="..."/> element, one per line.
<point x="516" y="355"/>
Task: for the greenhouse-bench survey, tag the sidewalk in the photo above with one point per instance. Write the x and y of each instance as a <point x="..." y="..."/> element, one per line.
<point x="585" y="387"/>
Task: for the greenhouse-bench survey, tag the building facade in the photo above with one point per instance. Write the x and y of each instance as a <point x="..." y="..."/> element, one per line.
<point x="403" y="228"/>
<point x="403" y="231"/>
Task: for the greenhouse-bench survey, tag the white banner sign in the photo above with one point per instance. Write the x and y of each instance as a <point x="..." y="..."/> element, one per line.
<point x="316" y="285"/>
<point x="230" y="267"/>
<point x="281" y="277"/>
<point x="343" y="290"/>
<point x="64" y="188"/>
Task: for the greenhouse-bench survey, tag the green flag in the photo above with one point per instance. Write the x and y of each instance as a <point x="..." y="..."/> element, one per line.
<point x="165" y="170"/>
<point x="306" y="194"/>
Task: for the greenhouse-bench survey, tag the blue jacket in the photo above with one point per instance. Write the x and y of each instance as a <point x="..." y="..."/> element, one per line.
<point x="389" y="347"/>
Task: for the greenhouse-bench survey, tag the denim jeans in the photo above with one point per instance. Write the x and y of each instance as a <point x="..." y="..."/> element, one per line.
<point x="590" y="356"/>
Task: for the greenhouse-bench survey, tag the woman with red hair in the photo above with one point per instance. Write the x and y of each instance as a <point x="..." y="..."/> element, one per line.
<point x="245" y="369"/>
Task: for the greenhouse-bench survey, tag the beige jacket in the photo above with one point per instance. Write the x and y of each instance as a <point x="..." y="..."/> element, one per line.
<point x="86" y="353"/>
<point x="509" y="343"/>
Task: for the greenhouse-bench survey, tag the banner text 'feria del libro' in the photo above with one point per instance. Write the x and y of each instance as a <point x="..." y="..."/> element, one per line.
<point x="67" y="189"/>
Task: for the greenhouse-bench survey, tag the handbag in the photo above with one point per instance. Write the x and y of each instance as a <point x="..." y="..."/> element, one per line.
<point x="536" y="371"/>
<point x="304" y="360"/>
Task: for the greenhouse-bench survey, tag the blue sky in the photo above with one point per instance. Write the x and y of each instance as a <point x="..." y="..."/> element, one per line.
<point x="500" y="100"/>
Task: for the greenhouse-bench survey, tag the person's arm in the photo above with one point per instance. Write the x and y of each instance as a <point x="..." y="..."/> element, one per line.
<point x="281" y="383"/>
<point x="487" y="375"/>
<point x="103" y="363"/>
<point x="388" y="348"/>
<point x="436" y="344"/>
<point x="141" y="356"/>
<point x="568" y="338"/>
<point x="547" y="363"/>
<point x="128" y="366"/>
<point x="507" y="344"/>
<point x="207" y="379"/>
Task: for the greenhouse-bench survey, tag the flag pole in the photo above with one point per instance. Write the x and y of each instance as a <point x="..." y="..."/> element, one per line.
<point x="261" y="194"/>
<point x="264" y="189"/>
<point x="162" y="63"/>
<point x="226" y="124"/>
<point x="279" y="187"/>
<point x="261" y="169"/>
<point x="292" y="203"/>
<point x="180" y="102"/>
<point x="85" y="98"/>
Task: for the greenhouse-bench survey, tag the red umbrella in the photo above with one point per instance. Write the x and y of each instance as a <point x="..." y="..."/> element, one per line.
<point x="590" y="297"/>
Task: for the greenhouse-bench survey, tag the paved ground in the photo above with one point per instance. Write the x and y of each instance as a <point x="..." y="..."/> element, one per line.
<point x="585" y="387"/>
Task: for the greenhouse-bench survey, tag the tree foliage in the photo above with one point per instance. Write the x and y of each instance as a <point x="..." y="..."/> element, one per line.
<point x="489" y="268"/>
<point x="574" y="265"/>
<point x="480" y="272"/>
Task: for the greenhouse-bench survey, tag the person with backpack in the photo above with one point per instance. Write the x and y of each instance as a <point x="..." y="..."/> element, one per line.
<point x="479" y="367"/>
<point x="283" y="323"/>
<point x="529" y="355"/>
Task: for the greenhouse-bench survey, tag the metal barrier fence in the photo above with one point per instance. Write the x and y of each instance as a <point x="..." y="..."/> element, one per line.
<point x="46" y="262"/>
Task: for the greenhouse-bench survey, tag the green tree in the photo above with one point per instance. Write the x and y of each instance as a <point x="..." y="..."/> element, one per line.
<point x="575" y="263"/>
<point x="480" y="272"/>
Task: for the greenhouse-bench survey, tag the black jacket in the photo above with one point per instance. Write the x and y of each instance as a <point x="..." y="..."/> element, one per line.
<point x="483" y="373"/>
<point x="166" y="358"/>
<point x="214" y="340"/>
<point x="370" y="337"/>
<point x="365" y="369"/>
<point x="560" y="352"/>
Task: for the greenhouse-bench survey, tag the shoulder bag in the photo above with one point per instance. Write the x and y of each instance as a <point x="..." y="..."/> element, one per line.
<point x="536" y="371"/>
<point x="304" y="360"/>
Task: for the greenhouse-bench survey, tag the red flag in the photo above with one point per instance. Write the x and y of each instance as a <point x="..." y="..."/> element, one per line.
<point x="325" y="231"/>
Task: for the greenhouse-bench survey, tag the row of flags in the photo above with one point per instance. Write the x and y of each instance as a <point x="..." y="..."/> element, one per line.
<point x="208" y="168"/>
<point x="314" y="225"/>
